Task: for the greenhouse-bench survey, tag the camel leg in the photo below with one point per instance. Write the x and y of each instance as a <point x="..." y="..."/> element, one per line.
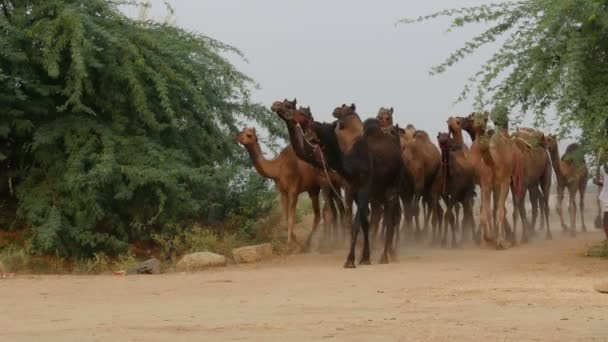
<point x="391" y="208"/>
<point x="444" y="226"/>
<point x="357" y="223"/>
<point x="545" y="188"/>
<point x="535" y="197"/>
<point x="558" y="206"/>
<point x="485" y="217"/>
<point x="376" y="215"/>
<point x="520" y="206"/>
<point x="468" y="222"/>
<point x="292" y="199"/>
<point x="339" y="216"/>
<point x="516" y="214"/>
<point x="456" y="215"/>
<point x="572" y="209"/>
<point x="416" y="213"/>
<point x="314" y="197"/>
<point x="285" y="211"/>
<point x="501" y="215"/>
<point x="581" y="189"/>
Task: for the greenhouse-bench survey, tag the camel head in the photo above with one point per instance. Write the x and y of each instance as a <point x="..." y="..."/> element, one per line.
<point x="455" y="124"/>
<point x="284" y="108"/>
<point x="247" y="136"/>
<point x="551" y="142"/>
<point x="344" y="111"/>
<point x="476" y="122"/>
<point x="385" y="117"/>
<point x="409" y="132"/>
<point x="443" y="139"/>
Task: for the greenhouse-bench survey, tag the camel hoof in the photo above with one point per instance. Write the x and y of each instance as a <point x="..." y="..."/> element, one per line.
<point x="383" y="260"/>
<point x="502" y="244"/>
<point x="565" y="228"/>
<point x="365" y="261"/>
<point x="349" y="264"/>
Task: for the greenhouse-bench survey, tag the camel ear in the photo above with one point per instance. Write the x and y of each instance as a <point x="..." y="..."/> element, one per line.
<point x="353" y="107"/>
<point x="392" y="110"/>
<point x="295" y="101"/>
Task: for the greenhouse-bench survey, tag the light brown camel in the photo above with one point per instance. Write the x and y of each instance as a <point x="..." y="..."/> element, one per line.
<point x="423" y="160"/>
<point x="537" y="179"/>
<point x="292" y="177"/>
<point x="498" y="165"/>
<point x="571" y="173"/>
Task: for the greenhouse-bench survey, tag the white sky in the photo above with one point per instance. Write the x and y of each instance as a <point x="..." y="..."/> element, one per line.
<point x="327" y="53"/>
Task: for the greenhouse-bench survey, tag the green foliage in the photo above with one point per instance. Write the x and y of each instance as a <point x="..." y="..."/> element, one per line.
<point x="554" y="54"/>
<point x="112" y="128"/>
<point x="598" y="251"/>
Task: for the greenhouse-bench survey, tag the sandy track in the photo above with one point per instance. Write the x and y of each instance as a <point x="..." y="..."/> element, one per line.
<point x="541" y="291"/>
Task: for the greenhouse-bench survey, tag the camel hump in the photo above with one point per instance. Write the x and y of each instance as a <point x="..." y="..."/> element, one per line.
<point x="574" y="153"/>
<point x="421" y="134"/>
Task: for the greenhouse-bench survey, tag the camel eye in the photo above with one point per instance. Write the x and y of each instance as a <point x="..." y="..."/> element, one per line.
<point x="249" y="135"/>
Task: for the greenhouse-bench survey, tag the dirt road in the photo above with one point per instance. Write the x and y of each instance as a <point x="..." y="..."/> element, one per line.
<point x="542" y="291"/>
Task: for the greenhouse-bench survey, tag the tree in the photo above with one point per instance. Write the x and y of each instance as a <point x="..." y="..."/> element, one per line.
<point x="553" y="54"/>
<point x="111" y="127"/>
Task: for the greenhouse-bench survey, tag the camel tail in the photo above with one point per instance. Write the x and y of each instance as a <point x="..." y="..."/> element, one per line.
<point x="518" y="175"/>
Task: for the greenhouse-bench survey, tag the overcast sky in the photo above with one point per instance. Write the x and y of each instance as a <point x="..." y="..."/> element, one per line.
<point x="327" y="53"/>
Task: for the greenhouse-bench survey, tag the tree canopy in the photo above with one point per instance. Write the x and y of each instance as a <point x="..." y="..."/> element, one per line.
<point x="111" y="126"/>
<point x="553" y="55"/>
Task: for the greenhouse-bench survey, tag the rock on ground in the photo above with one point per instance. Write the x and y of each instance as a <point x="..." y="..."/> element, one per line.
<point x="200" y="260"/>
<point x="150" y="266"/>
<point x="252" y="253"/>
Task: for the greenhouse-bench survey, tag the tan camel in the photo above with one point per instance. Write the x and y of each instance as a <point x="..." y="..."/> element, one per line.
<point x="537" y="179"/>
<point x="291" y="175"/>
<point x="498" y="167"/>
<point x="572" y="173"/>
<point x="422" y="159"/>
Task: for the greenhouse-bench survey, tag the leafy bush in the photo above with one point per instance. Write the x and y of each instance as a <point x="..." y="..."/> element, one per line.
<point x="112" y="129"/>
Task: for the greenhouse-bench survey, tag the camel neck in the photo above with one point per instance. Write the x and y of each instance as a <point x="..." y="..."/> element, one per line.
<point x="266" y="168"/>
<point x="457" y="136"/>
<point x="554" y="154"/>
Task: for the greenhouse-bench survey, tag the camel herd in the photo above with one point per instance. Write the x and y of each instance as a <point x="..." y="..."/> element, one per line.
<point x="394" y="174"/>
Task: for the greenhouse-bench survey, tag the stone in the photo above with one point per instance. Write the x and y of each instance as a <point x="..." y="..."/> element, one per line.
<point x="150" y="266"/>
<point x="200" y="260"/>
<point x="251" y="254"/>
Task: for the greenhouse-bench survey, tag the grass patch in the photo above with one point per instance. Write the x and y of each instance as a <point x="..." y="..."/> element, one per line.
<point x="598" y="251"/>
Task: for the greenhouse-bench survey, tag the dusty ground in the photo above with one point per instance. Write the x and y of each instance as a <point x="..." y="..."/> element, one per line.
<point x="542" y="291"/>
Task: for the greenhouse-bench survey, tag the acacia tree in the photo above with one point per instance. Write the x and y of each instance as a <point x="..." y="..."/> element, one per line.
<point x="554" y="54"/>
<point x="110" y="126"/>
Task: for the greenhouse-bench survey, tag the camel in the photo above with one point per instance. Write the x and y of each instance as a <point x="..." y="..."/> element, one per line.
<point x="423" y="160"/>
<point x="498" y="167"/>
<point x="537" y="179"/>
<point x="456" y="184"/>
<point x="292" y="177"/>
<point x="370" y="163"/>
<point x="571" y="173"/>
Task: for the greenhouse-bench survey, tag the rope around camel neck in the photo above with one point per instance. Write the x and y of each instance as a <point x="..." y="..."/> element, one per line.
<point x="324" y="164"/>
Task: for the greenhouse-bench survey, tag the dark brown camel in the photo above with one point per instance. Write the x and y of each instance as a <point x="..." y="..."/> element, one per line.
<point x="537" y="179"/>
<point x="571" y="173"/>
<point x="370" y="163"/>
<point x="498" y="165"/>
<point x="456" y="184"/>
<point x="292" y="177"/>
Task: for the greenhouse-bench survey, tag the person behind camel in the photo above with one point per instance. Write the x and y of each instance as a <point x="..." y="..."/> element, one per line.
<point x="603" y="196"/>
